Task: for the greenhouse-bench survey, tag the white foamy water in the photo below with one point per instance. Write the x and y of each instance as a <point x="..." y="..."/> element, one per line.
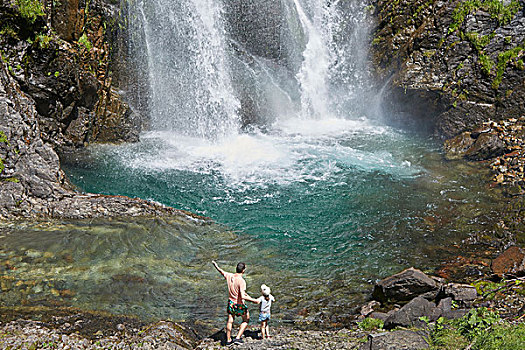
<point x="294" y="150"/>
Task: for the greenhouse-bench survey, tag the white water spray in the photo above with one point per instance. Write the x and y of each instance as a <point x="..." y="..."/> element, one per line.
<point x="188" y="66"/>
<point x="314" y="71"/>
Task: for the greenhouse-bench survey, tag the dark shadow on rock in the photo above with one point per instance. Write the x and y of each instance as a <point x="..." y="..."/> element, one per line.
<point x="221" y="335"/>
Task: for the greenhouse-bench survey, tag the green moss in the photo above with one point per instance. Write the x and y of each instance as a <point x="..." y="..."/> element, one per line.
<point x="8" y="32"/>
<point x="486" y="63"/>
<point x="3" y="139"/>
<point x="84" y="41"/>
<point x="478" y="41"/>
<point x="377" y="40"/>
<point x="503" y="60"/>
<point x="30" y="9"/>
<point x="43" y="40"/>
<point x="497" y="9"/>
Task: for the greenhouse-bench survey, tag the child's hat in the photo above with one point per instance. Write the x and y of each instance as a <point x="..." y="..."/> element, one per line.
<point x="265" y="290"/>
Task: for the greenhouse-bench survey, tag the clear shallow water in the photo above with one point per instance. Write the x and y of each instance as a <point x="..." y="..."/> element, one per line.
<point x="317" y="210"/>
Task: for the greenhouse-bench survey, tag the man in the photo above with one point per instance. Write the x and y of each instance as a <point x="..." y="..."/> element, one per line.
<point x="236" y="306"/>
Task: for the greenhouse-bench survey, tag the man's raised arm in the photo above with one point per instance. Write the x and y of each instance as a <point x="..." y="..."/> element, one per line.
<point x="221" y="271"/>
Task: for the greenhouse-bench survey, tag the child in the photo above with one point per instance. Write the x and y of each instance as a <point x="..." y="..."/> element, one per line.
<point x="265" y="306"/>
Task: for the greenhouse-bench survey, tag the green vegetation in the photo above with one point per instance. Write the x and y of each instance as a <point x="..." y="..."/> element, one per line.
<point x="486" y="63"/>
<point x="480" y="329"/>
<point x="503" y="60"/>
<point x="370" y="324"/>
<point x="3" y="139"/>
<point x="8" y="32"/>
<point x="30" y="9"/>
<point x="42" y="40"/>
<point x="84" y="41"/>
<point x="496" y="8"/>
<point x="478" y="41"/>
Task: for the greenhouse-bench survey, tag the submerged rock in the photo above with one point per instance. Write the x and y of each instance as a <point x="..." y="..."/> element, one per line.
<point x="456" y="147"/>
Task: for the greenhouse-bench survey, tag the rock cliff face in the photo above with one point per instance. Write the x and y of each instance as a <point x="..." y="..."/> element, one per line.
<point x="56" y="94"/>
<point x="60" y="57"/>
<point x="451" y="64"/>
<point x="32" y="185"/>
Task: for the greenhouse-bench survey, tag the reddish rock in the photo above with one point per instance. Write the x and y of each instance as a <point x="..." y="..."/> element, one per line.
<point x="511" y="261"/>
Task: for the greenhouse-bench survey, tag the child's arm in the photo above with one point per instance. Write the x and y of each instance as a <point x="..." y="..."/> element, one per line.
<point x="221" y="271"/>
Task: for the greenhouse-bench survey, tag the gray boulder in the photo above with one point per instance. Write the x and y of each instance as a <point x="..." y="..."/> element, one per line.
<point x="410" y="314"/>
<point x="464" y="294"/>
<point x="405" y="285"/>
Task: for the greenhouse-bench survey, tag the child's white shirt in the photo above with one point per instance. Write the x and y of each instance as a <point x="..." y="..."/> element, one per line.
<point x="266" y="305"/>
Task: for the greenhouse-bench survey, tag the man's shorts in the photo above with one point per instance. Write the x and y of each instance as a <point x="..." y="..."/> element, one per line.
<point x="263" y="316"/>
<point x="236" y="309"/>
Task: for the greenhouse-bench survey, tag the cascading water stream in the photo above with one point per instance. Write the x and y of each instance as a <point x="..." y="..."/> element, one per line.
<point x="315" y="68"/>
<point x="191" y="91"/>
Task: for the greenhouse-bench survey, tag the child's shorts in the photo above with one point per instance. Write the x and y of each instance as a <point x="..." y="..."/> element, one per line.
<point x="264" y="317"/>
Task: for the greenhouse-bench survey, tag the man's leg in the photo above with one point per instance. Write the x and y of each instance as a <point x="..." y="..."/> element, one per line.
<point x="229" y="326"/>
<point x="244" y="324"/>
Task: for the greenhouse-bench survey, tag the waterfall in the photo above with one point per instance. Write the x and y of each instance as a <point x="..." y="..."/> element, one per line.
<point x="216" y="66"/>
<point x="190" y="87"/>
<point x="316" y="64"/>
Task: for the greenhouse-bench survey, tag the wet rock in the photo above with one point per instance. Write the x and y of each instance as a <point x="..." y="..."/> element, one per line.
<point x="404" y="286"/>
<point x="410" y="314"/>
<point x="455" y="148"/>
<point x="487" y="146"/>
<point x="510" y="262"/>
<point x="396" y="340"/>
<point x="432" y="68"/>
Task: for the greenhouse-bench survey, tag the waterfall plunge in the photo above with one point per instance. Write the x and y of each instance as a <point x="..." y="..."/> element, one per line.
<point x="190" y="88"/>
<point x="203" y="82"/>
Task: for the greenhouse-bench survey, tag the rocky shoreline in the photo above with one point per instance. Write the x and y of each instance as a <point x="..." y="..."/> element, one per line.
<point x="402" y="314"/>
<point x="501" y="146"/>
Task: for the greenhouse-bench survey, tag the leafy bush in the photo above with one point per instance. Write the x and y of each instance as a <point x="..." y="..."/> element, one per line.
<point x="476" y="322"/>
<point x="30" y="9"/>
<point x="502" y="337"/>
<point x="370" y="324"/>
